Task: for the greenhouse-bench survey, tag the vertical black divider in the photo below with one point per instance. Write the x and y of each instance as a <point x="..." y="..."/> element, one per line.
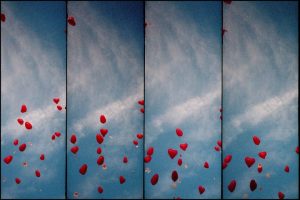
<point x="144" y="140"/>
<point x="66" y="138"/>
<point x="222" y="100"/>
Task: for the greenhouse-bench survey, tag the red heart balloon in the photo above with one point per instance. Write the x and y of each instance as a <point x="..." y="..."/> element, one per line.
<point x="154" y="179"/>
<point x="102" y="119"/>
<point x="59" y="107"/>
<point x="37" y="173"/>
<point x="256" y="140"/>
<point x="3" y="17"/>
<point x="141" y="102"/>
<point x="28" y="125"/>
<point x="183" y="146"/>
<point x="150" y="151"/>
<point x="231" y="186"/>
<point x="287" y="169"/>
<point x="8" y="159"/>
<point x="174" y="176"/>
<point x="125" y="159"/>
<point x="56" y="100"/>
<point x="249" y="161"/>
<point x="22" y="147"/>
<point x="227" y="159"/>
<point x="139" y="135"/>
<point x="100" y="189"/>
<point x="74" y="149"/>
<point x="253" y="185"/>
<point x="103" y="131"/>
<point x="135" y="142"/>
<point x="297" y="150"/>
<point x="57" y="134"/>
<point x="142" y="110"/>
<point x="179" y="162"/>
<point x="206" y="165"/>
<point x="23" y="108"/>
<point x="42" y="157"/>
<point x="147" y="159"/>
<point x="99" y="150"/>
<point x="73" y="139"/>
<point x="179" y="132"/>
<point x="20" y="121"/>
<point x="18" y="181"/>
<point x="280" y="195"/>
<point x="217" y="148"/>
<point x="83" y="169"/>
<point x="16" y="142"/>
<point x="122" y="179"/>
<point x="259" y="168"/>
<point x="172" y="153"/>
<point x="201" y="189"/>
<point x="71" y="21"/>
<point x="262" y="154"/>
<point x="100" y="160"/>
<point x="99" y="138"/>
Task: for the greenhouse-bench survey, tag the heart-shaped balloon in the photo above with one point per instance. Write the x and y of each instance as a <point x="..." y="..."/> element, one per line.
<point x="174" y="176"/>
<point x="22" y="147"/>
<point x="100" y="160"/>
<point x="154" y="179"/>
<point x="139" y="135"/>
<point x="8" y="159"/>
<point x="99" y="150"/>
<point x="231" y="186"/>
<point x="179" y="132"/>
<point x="227" y="159"/>
<point x="183" y="146"/>
<point x="147" y="159"/>
<point x="102" y="119"/>
<point x="100" y="189"/>
<point x="122" y="179"/>
<point x="280" y="195"/>
<point x="287" y="169"/>
<point x="74" y="149"/>
<point x="172" y="153"/>
<point x="42" y="157"/>
<point x="28" y="125"/>
<point x="103" y="131"/>
<point x="259" y="168"/>
<point x="99" y="138"/>
<point x="201" y="189"/>
<point x="206" y="165"/>
<point x="253" y="185"/>
<point x="73" y="139"/>
<point x="256" y="140"/>
<point x="262" y="154"/>
<point x="20" y="121"/>
<point x="125" y="159"/>
<point x="56" y="100"/>
<point x="249" y="161"/>
<point x="37" y="173"/>
<point x="23" y="108"/>
<point x="83" y="169"/>
<point x="150" y="151"/>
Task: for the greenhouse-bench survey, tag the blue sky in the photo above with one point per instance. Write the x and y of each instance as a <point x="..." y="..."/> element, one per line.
<point x="260" y="96"/>
<point x="33" y="73"/>
<point x="183" y="90"/>
<point x="106" y="76"/>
